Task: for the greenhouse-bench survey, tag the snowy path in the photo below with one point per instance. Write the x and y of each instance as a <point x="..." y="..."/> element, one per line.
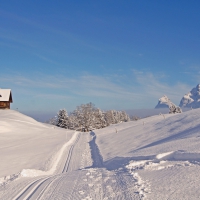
<point x="33" y="188"/>
<point x="91" y="180"/>
<point x="80" y="175"/>
<point x="36" y="189"/>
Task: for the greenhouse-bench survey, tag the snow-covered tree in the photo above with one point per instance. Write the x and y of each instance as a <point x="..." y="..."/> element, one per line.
<point x="62" y="119"/>
<point x="116" y="116"/>
<point x="109" y="117"/>
<point x="174" y="109"/>
<point x="124" y="117"/>
<point x="99" y="119"/>
<point x="73" y="121"/>
<point x="87" y="117"/>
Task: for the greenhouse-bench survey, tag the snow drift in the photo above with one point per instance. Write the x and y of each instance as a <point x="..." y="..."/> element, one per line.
<point x="27" y="144"/>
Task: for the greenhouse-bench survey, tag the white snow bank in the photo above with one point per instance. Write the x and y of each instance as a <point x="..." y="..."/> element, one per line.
<point x="179" y="156"/>
<point x="151" y="136"/>
<point x="34" y="172"/>
<point x="162" y="155"/>
<point x="27" y="144"/>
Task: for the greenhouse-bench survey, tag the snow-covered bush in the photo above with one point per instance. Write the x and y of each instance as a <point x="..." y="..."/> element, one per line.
<point x="114" y="117"/>
<point x="52" y="121"/>
<point x="124" y="117"/>
<point x="174" y="109"/>
<point x="134" y="118"/>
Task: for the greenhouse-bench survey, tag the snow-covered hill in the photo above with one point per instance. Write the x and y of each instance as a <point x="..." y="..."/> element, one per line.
<point x="161" y="152"/>
<point x="26" y="143"/>
<point x="164" y="102"/>
<point x="153" y="158"/>
<point x="192" y="99"/>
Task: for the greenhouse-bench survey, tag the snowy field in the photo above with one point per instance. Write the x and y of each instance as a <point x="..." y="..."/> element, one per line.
<point x="154" y="158"/>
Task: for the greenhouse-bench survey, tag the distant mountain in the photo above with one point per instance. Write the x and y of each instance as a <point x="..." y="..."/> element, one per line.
<point x="164" y="102"/>
<point x="192" y="99"/>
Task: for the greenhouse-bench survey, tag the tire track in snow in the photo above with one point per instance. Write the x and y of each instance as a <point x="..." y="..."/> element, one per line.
<point x="31" y="191"/>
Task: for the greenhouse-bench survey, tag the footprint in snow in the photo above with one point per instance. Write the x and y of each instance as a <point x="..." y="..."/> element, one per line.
<point x="81" y="192"/>
<point x="87" y="198"/>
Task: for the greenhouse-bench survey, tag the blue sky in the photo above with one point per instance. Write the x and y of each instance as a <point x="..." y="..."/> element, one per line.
<point x="116" y="54"/>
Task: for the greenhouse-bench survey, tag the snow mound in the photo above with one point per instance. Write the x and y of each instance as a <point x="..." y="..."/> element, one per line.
<point x="164" y="102"/>
<point x="57" y="158"/>
<point x="27" y="144"/>
<point x="192" y="99"/>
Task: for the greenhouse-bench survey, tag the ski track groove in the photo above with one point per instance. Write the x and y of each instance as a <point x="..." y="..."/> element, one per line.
<point x="41" y="181"/>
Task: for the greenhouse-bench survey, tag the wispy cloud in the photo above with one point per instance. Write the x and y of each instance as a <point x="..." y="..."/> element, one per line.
<point x="146" y="89"/>
<point x="53" y="96"/>
<point x="154" y="86"/>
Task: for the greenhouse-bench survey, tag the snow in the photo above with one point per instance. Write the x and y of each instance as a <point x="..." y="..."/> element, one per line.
<point x="5" y="94"/>
<point x="153" y="158"/>
<point x="192" y="99"/>
<point x="26" y="143"/>
<point x="164" y="102"/>
<point x="160" y="145"/>
<point x="58" y="156"/>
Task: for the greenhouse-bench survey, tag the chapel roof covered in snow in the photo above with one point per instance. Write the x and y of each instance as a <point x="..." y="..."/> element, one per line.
<point x="6" y="95"/>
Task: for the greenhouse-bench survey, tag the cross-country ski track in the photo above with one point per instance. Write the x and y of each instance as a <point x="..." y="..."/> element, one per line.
<point x="36" y="189"/>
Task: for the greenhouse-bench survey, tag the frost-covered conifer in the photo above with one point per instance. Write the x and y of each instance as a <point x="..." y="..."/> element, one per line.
<point x="62" y="119"/>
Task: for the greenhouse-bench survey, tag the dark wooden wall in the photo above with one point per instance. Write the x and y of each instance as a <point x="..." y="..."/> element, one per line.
<point x="4" y="105"/>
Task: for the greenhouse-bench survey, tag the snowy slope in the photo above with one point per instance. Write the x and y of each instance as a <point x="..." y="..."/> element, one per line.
<point x="153" y="158"/>
<point x="26" y="143"/>
<point x="192" y="99"/>
<point x="164" y="102"/>
<point x="160" y="154"/>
